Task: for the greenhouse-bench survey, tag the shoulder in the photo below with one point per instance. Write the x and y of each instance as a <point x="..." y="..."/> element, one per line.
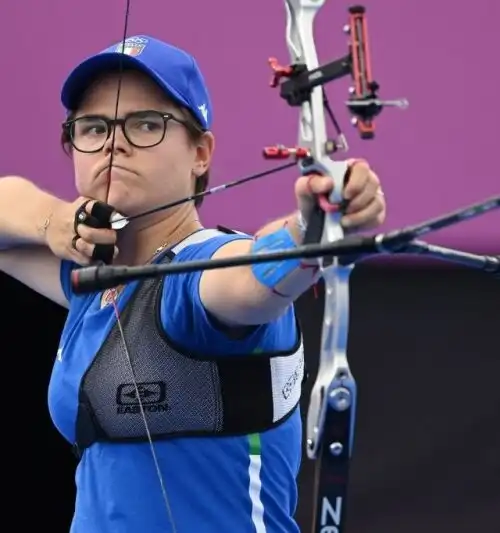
<point x="204" y="243"/>
<point x="185" y="319"/>
<point x="201" y="245"/>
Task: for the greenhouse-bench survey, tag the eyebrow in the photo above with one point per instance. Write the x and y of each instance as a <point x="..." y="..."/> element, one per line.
<point x="138" y="111"/>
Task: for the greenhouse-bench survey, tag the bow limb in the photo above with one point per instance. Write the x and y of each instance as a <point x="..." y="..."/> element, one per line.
<point x="331" y="412"/>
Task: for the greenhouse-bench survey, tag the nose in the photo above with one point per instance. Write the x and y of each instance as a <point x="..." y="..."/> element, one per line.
<point x="118" y="144"/>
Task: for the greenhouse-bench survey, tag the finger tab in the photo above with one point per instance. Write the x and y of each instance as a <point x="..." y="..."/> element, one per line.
<point x="103" y="253"/>
<point x="99" y="216"/>
<point x="102" y="213"/>
<point x="81" y="216"/>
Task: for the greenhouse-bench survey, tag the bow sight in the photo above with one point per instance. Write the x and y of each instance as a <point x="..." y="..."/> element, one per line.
<point x="296" y="83"/>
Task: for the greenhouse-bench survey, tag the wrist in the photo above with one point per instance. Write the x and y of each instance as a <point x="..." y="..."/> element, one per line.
<point x="48" y="210"/>
<point x="297" y="227"/>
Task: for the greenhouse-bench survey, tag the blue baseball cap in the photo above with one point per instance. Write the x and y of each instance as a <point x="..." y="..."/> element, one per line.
<point x="173" y="69"/>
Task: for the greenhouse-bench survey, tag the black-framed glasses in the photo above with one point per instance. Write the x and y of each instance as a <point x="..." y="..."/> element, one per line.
<point x="142" y="129"/>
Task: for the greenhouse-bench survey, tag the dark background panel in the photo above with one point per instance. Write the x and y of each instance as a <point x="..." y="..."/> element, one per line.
<point x="425" y="354"/>
<point x="424" y="350"/>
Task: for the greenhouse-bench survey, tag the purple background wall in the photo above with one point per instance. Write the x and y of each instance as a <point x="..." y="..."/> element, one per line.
<point x="436" y="156"/>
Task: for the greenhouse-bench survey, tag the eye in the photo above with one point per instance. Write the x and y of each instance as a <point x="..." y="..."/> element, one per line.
<point x="149" y="125"/>
<point x="90" y="127"/>
<point x="146" y="124"/>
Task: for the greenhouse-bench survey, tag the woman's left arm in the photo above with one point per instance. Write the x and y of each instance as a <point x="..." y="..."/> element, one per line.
<point x="251" y="295"/>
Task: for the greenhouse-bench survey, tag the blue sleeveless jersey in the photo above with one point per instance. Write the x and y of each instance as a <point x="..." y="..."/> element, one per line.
<point x="214" y="485"/>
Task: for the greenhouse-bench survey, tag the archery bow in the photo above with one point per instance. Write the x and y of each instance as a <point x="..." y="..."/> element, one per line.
<point x="331" y="414"/>
<point x="332" y="406"/>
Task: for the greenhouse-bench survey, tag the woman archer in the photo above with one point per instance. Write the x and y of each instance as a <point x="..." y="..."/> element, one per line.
<point x="210" y="351"/>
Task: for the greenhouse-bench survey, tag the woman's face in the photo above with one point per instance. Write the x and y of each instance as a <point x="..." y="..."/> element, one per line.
<point x="141" y="178"/>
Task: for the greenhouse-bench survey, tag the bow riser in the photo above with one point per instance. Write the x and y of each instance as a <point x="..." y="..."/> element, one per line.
<point x="331" y="413"/>
<point x="332" y="408"/>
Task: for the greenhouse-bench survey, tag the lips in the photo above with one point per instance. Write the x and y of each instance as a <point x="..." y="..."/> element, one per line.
<point x="117" y="167"/>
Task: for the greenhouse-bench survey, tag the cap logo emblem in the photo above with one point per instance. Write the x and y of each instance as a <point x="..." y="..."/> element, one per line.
<point x="134" y="46"/>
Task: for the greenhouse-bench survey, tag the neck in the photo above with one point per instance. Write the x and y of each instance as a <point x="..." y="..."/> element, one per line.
<point x="137" y="245"/>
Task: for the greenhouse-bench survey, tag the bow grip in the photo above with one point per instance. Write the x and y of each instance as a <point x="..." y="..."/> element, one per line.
<point x="338" y="171"/>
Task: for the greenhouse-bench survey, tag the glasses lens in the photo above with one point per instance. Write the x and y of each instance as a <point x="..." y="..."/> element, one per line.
<point x="145" y="129"/>
<point x="89" y="133"/>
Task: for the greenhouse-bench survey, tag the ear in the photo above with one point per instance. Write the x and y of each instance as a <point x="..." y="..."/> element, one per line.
<point x="204" y="151"/>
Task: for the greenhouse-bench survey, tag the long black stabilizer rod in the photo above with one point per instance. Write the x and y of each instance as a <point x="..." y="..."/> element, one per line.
<point x="356" y="247"/>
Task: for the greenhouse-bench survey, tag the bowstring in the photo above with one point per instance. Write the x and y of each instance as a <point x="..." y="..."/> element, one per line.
<point x="128" y="357"/>
<point x="163" y="488"/>
<point x="113" y="293"/>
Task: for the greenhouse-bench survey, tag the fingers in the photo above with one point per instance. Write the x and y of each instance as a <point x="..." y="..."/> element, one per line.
<point x="361" y="189"/>
<point x="95" y="214"/>
<point x="87" y="249"/>
<point x="362" y="180"/>
<point x="371" y="216"/>
<point x="360" y="177"/>
<point x="78" y="257"/>
<point x="318" y="184"/>
<point x="81" y="232"/>
<point x="96" y="236"/>
<point x="87" y="238"/>
<point x="365" y="201"/>
<point x="93" y="239"/>
<point x="366" y="208"/>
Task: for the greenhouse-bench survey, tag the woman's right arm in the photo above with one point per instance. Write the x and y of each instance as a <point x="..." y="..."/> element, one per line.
<point x="37" y="231"/>
<point x="25" y="215"/>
